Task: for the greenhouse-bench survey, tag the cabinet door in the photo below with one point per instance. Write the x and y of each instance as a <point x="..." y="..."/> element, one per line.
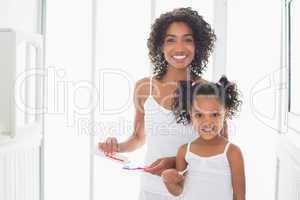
<point x="21" y="75"/>
<point x="7" y="63"/>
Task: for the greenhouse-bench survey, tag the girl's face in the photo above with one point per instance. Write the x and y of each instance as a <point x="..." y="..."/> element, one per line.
<point x="207" y="116"/>
<point x="178" y="46"/>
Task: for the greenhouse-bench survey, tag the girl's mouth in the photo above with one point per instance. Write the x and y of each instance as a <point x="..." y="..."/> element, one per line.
<point x="207" y="130"/>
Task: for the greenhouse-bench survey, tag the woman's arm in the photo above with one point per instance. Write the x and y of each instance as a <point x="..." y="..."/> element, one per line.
<point x="161" y="164"/>
<point x="172" y="178"/>
<point x="137" y="139"/>
<point x="236" y="162"/>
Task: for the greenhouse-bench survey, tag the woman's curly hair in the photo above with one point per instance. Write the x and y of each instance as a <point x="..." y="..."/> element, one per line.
<point x="204" y="39"/>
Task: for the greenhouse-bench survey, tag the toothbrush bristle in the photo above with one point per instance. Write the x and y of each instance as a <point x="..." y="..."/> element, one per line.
<point x="126" y="167"/>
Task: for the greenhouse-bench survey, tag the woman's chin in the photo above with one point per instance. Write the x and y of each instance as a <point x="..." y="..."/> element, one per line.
<point x="180" y="67"/>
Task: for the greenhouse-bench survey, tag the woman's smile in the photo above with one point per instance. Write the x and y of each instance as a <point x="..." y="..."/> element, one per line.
<point x="179" y="58"/>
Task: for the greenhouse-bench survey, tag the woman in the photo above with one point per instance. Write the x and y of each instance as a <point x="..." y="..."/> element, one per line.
<point x="179" y="47"/>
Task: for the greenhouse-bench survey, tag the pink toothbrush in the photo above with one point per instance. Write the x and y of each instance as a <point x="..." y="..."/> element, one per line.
<point x="117" y="157"/>
<point x="134" y="168"/>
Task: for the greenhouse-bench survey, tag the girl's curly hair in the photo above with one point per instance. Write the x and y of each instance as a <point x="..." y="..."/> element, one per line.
<point x="204" y="39"/>
<point x="187" y="91"/>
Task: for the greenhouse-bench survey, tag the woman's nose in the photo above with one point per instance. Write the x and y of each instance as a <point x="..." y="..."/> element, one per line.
<point x="179" y="47"/>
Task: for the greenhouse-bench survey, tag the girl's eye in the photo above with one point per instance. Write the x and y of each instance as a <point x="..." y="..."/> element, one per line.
<point x="215" y="114"/>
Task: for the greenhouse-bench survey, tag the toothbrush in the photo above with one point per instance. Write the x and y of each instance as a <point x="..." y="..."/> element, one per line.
<point x="182" y="172"/>
<point x="118" y="158"/>
<point x="143" y="168"/>
<point x="134" y="168"/>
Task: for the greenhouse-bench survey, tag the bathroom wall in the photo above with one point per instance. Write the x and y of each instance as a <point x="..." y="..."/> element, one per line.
<point x="254" y="33"/>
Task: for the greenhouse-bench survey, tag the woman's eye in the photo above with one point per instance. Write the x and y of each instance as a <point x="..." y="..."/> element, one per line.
<point x="198" y="115"/>
<point x="170" y="40"/>
<point x="189" y="40"/>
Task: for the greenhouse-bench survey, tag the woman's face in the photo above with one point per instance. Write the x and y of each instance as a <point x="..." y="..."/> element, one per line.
<point x="207" y="116"/>
<point x="178" y="46"/>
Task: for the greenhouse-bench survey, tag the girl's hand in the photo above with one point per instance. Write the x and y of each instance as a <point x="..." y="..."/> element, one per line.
<point x="110" y="146"/>
<point x="172" y="176"/>
<point x="161" y="165"/>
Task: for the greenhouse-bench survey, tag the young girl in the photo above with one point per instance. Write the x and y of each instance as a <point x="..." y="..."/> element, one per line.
<point x="214" y="167"/>
<point x="179" y="45"/>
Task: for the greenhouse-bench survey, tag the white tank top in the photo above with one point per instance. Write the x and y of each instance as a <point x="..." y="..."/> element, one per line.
<point x="163" y="138"/>
<point x="207" y="178"/>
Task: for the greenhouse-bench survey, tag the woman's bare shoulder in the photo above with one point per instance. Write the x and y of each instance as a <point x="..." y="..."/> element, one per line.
<point x="142" y="86"/>
<point x="143" y="80"/>
<point x="144" y="83"/>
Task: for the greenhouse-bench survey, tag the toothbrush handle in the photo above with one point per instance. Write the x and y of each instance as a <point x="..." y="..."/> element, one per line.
<point x="182" y="172"/>
<point x="136" y="168"/>
<point x="119" y="158"/>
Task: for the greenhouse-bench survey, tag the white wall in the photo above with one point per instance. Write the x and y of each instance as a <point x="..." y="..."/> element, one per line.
<point x="68" y="61"/>
<point x="253" y="61"/>
<point x="121" y="60"/>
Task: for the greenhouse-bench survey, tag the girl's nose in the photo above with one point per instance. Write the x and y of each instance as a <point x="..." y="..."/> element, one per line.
<point x="207" y="120"/>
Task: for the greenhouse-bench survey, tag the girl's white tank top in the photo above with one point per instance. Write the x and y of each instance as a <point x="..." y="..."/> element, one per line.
<point x="207" y="178"/>
<point x="164" y="136"/>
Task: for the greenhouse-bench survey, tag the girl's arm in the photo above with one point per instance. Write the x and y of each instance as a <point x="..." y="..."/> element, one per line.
<point x="137" y="139"/>
<point x="236" y="162"/>
<point x="171" y="177"/>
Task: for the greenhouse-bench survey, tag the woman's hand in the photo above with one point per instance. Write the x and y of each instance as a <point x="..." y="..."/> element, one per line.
<point x="172" y="176"/>
<point x="110" y="146"/>
<point x="161" y="165"/>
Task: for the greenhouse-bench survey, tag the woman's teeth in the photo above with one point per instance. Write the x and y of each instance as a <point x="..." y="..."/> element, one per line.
<point x="179" y="57"/>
